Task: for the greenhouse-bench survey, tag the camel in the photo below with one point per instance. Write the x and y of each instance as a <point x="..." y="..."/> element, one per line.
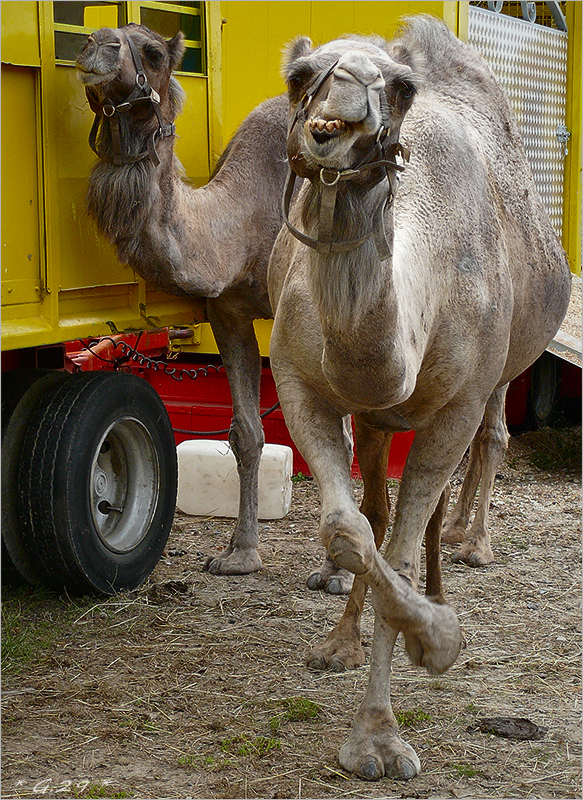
<point x="213" y="242"/>
<point x="416" y="275"/>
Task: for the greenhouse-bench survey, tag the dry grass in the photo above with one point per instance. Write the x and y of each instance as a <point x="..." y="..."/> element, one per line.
<point x="196" y="686"/>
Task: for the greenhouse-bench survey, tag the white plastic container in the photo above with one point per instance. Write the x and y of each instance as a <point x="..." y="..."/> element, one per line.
<point x="208" y="482"/>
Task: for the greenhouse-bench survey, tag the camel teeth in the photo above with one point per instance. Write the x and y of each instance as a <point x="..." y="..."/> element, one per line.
<point x="328" y="125"/>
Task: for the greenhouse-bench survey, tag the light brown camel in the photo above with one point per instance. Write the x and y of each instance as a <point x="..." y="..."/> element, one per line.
<point x="213" y="242"/>
<point x="407" y="303"/>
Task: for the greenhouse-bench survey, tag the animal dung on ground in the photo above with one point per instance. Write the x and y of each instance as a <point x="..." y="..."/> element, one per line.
<point x="208" y="481"/>
<point x="508" y="728"/>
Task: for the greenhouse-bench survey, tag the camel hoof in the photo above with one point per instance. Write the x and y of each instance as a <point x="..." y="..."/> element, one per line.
<point x="404" y="769"/>
<point x="438" y="647"/>
<point x="315" y="581"/>
<point x="334" y="586"/>
<point x="331" y="579"/>
<point x="336" y="655"/>
<point x="473" y="558"/>
<point x="377" y="752"/>
<point x="371" y="770"/>
<point x="317" y="662"/>
<point x="239" y="562"/>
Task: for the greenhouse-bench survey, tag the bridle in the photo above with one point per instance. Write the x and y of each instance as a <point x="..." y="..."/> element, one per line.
<point x="141" y="93"/>
<point x="382" y="154"/>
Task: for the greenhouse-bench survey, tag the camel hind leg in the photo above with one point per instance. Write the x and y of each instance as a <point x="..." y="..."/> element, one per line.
<point x="342" y="648"/>
<point x="486" y="454"/>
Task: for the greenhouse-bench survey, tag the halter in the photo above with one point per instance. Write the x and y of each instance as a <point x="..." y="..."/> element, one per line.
<point x="141" y="93"/>
<point x="379" y="156"/>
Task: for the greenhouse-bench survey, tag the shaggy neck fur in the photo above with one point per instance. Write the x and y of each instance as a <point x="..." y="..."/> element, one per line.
<point x="347" y="287"/>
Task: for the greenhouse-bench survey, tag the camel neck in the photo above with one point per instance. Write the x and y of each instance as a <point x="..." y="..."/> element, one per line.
<point x="348" y="286"/>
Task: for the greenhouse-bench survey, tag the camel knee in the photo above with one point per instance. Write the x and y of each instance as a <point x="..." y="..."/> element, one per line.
<point x="348" y="539"/>
<point x="246" y="440"/>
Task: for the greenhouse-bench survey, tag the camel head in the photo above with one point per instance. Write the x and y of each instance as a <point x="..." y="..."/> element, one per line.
<point x="344" y="97"/>
<point x="107" y="68"/>
<point x="127" y="74"/>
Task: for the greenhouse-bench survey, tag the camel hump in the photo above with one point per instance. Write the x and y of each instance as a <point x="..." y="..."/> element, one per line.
<point x="261" y="135"/>
<point x="449" y="66"/>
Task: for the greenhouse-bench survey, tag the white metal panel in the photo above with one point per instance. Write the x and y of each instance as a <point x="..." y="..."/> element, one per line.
<point x="530" y="62"/>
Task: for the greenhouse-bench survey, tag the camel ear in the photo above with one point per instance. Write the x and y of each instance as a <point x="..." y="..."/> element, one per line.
<point x="300" y="46"/>
<point x="176" y="49"/>
<point x="403" y="54"/>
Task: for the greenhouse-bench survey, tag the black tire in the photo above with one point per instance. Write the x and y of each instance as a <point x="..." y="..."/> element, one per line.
<point x="543" y="399"/>
<point x="22" y="391"/>
<point x="98" y="483"/>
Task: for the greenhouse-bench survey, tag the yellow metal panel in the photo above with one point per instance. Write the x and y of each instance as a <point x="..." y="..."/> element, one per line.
<point x="20" y="41"/>
<point x="21" y="243"/>
<point x="86" y="258"/>
<point x="100" y="17"/>
<point x="192" y="130"/>
<point x="254" y="34"/>
<point x="205" y="340"/>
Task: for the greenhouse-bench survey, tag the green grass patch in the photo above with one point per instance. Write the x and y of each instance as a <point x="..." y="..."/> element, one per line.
<point x="413" y="717"/>
<point x="464" y="770"/>
<point x="298" y="709"/>
<point x="299" y="477"/>
<point x="33" y="621"/>
<point x="245" y="747"/>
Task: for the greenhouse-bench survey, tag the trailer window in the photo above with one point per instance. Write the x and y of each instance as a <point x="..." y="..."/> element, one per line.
<point x="75" y="21"/>
<point x="169" y="18"/>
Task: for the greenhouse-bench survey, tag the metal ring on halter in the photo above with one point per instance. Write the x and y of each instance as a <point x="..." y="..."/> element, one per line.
<point x="334" y="182"/>
<point x="108" y="113"/>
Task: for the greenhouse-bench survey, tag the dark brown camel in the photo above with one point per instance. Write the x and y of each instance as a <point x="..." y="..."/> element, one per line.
<point x="213" y="242"/>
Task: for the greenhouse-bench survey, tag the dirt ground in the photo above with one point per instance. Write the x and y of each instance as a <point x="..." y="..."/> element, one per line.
<point x="196" y="686"/>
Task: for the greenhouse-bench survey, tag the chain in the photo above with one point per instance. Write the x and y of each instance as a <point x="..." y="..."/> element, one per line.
<point x="131" y="353"/>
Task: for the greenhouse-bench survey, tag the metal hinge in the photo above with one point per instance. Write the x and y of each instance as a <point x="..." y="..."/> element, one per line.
<point x="563" y="136"/>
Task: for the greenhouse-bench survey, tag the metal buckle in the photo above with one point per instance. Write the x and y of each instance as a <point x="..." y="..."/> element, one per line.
<point x="334" y="182"/>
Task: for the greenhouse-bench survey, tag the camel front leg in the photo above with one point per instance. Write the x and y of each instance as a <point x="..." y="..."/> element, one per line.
<point x="238" y="347"/>
<point x="342" y="648"/>
<point x="374" y="748"/>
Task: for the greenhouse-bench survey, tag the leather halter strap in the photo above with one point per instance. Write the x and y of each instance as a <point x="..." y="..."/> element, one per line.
<point x="380" y="156"/>
<point x="330" y="180"/>
<point x="141" y="93"/>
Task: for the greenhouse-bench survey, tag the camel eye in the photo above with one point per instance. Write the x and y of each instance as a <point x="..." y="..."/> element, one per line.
<point x="295" y="82"/>
<point x="298" y="78"/>
<point x="154" y="56"/>
<point x="406" y="89"/>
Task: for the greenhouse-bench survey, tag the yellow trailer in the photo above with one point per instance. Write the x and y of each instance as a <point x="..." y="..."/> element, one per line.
<point x="61" y="281"/>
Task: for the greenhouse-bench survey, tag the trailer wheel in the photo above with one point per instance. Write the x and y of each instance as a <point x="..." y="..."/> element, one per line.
<point x="98" y="483"/>
<point x="543" y="394"/>
<point x="22" y="391"/>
